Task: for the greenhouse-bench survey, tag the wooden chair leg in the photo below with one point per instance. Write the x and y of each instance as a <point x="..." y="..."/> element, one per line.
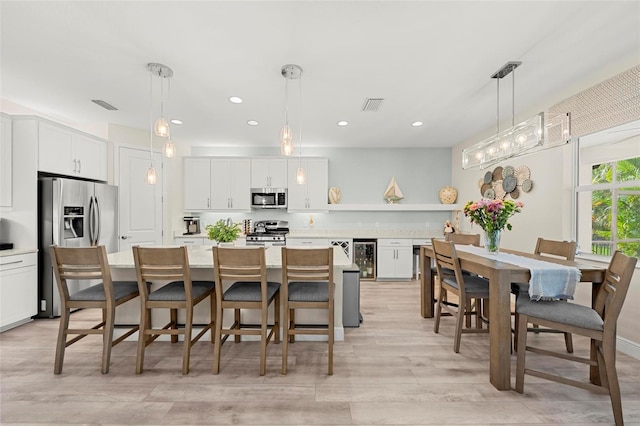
<point x="217" y="341"/>
<point x="186" y="351"/>
<point x="331" y="338"/>
<point x="568" y="341"/>
<point x="460" y="318"/>
<point x="236" y="317"/>
<point x="142" y="338"/>
<point x="609" y="360"/>
<point x="285" y="337"/>
<point x="212" y="315"/>
<point x="174" y="324"/>
<point x="276" y="318"/>
<point x="62" y="341"/>
<point x="107" y="338"/>
<point x="292" y="325"/>
<point x="263" y="342"/>
<point x="436" y="322"/>
<point x="521" y="332"/>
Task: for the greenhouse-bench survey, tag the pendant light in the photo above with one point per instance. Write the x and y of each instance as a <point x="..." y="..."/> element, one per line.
<point x="289" y="72"/>
<point x="300" y="174"/>
<point x="151" y="177"/>
<point x="169" y="148"/>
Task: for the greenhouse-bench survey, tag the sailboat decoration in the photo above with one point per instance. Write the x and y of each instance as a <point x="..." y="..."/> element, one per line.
<point x="393" y="194"/>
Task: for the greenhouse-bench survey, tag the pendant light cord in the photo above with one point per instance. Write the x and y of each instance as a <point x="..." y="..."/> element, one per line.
<point x="286" y="101"/>
<point x="151" y="118"/>
<point x="300" y="129"/>
<point x="498" y="106"/>
<point x="513" y="98"/>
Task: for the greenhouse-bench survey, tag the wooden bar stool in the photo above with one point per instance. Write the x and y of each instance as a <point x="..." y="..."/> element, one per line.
<point x="89" y="263"/>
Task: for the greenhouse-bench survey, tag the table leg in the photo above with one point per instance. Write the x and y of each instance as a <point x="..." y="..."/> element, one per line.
<point x="500" y="329"/>
<point x="426" y="286"/>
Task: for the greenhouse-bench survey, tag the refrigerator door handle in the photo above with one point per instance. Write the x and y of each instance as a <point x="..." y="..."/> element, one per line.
<point x="90" y="218"/>
<point x="98" y="221"/>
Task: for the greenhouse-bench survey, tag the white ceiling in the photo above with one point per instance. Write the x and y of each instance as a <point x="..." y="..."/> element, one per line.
<point x="430" y="60"/>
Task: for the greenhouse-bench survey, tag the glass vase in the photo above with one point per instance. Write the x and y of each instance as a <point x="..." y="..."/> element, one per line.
<point x="492" y="242"/>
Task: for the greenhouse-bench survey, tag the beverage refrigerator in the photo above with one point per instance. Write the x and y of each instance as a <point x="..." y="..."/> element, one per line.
<point x="71" y="213"/>
<point x="364" y="255"/>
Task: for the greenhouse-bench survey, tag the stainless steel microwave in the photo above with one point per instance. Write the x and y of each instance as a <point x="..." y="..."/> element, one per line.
<point x="269" y="198"/>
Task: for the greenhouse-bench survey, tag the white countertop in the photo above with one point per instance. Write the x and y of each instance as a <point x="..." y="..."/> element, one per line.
<point x="202" y="257"/>
<point x="14" y="252"/>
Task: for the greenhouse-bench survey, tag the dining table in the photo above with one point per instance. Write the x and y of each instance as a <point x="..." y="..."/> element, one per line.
<point x="500" y="276"/>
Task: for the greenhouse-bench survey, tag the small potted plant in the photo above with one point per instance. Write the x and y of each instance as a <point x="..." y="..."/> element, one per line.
<point x="225" y="232"/>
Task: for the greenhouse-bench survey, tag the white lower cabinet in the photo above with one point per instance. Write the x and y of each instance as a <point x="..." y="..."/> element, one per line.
<point x="395" y="258"/>
<point x="18" y="289"/>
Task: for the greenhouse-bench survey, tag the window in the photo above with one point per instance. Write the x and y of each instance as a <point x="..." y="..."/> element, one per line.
<point x="608" y="193"/>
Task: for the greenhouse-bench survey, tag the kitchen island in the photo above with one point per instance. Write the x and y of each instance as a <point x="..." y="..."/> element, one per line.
<point x="201" y="262"/>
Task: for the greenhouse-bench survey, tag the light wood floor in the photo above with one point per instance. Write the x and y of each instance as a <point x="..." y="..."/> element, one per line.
<point x="391" y="370"/>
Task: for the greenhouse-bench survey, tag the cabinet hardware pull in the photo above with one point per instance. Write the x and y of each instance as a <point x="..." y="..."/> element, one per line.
<point x="79" y="166"/>
<point x="11" y="263"/>
<point x="75" y="166"/>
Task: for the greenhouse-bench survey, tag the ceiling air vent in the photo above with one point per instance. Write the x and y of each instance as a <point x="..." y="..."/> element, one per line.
<point x="372" y="104"/>
<point x="104" y="105"/>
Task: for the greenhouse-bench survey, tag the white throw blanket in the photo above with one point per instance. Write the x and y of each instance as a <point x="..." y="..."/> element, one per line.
<point x="549" y="281"/>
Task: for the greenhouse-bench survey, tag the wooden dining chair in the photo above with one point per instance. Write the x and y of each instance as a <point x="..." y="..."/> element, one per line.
<point x="160" y="264"/>
<point x="559" y="249"/>
<point x="468" y="288"/>
<point x="307" y="283"/>
<point x="89" y="263"/>
<point x="246" y="268"/>
<point x="463" y="239"/>
<point x="598" y="323"/>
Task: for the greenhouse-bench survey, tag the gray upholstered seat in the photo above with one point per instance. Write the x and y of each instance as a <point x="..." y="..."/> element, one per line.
<point x="473" y="284"/>
<point x="309" y="291"/>
<point x="121" y="289"/>
<point x="561" y="312"/>
<point x="250" y="292"/>
<point x="174" y="291"/>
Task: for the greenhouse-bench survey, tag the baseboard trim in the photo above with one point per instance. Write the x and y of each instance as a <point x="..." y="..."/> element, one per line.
<point x="628" y="347"/>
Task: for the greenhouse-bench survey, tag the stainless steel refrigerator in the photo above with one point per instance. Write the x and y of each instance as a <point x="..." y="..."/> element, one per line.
<point x="72" y="213"/>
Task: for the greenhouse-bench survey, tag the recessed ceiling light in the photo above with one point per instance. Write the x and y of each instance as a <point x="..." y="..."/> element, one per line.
<point x="176" y="121"/>
<point x="417" y="123"/>
<point x="252" y="123"/>
<point x="235" y="100"/>
<point x="343" y="123"/>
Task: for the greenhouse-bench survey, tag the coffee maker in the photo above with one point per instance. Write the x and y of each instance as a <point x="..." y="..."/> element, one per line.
<point x="192" y="225"/>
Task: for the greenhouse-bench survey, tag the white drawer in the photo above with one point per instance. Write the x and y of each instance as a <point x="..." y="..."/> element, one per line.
<point x="18" y="261"/>
<point x="307" y="242"/>
<point x="395" y="242"/>
<point x="422" y="241"/>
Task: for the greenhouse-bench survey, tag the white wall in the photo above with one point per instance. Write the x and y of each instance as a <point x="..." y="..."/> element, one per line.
<point x="547" y="212"/>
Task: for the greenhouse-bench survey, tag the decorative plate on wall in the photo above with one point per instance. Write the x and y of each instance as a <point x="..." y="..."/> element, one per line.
<point x="488" y="177"/>
<point x="498" y="189"/>
<point x="509" y="183"/>
<point x="497" y="174"/>
<point x="522" y="173"/>
<point x="507" y="171"/>
<point x="527" y="184"/>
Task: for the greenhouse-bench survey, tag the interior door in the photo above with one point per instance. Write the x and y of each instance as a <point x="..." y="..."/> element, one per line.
<point x="141" y="205"/>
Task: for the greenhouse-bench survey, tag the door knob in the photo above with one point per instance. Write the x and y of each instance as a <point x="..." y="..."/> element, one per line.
<point x="124" y="237"/>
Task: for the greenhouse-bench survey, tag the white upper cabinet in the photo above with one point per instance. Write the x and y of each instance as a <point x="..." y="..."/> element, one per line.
<point x="6" y="159"/>
<point x="268" y="173"/>
<point x="313" y="194"/>
<point x="197" y="184"/>
<point x="212" y="183"/>
<point x="67" y="152"/>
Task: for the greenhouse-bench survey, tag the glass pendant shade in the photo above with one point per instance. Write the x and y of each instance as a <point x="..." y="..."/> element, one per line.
<point x="161" y="127"/>
<point x="169" y="149"/>
<point x="300" y="176"/>
<point x="151" y="178"/>
<point x="286" y="140"/>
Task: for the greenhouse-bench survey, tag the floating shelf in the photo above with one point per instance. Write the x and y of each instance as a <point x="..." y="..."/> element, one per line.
<point x="394" y="207"/>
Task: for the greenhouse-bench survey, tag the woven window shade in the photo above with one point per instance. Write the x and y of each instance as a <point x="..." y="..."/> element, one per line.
<point x="608" y="104"/>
